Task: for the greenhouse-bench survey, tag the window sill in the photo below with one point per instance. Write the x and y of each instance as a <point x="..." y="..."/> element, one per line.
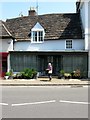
<point x="37" y="42"/>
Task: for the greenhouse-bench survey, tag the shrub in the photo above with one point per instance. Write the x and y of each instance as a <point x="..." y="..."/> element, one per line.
<point x="8" y="74"/>
<point x="34" y="73"/>
<point x="76" y="74"/>
<point x="27" y="74"/>
<point x="62" y="72"/>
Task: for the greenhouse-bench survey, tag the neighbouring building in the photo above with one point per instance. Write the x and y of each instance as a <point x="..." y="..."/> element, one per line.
<point x="6" y="45"/>
<point x="34" y="40"/>
<point x="83" y="7"/>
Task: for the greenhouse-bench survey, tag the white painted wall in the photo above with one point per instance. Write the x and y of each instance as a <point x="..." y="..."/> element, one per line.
<point x="52" y="45"/>
<point x="7" y="45"/>
<point x="82" y="14"/>
<point x="84" y="17"/>
<point x="89" y="25"/>
<point x="89" y="38"/>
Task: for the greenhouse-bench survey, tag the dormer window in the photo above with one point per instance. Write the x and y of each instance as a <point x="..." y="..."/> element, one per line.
<point x="37" y="34"/>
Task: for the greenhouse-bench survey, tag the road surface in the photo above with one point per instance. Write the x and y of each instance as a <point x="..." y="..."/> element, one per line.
<point x="44" y="102"/>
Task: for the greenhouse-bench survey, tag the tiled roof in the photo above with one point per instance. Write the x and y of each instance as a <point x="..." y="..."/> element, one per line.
<point x="3" y="30"/>
<point x="56" y="26"/>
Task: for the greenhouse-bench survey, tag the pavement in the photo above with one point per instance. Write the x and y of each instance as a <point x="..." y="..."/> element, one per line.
<point x="44" y="82"/>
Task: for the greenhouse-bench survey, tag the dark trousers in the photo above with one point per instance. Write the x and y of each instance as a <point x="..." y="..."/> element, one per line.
<point x="50" y="76"/>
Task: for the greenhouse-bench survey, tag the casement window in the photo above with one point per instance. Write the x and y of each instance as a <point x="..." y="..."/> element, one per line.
<point x="37" y="34"/>
<point x="68" y="44"/>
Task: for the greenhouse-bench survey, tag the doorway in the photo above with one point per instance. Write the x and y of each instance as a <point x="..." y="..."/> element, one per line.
<point x="43" y="61"/>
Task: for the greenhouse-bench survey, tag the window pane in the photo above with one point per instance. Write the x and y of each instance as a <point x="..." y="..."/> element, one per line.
<point x="34" y="36"/>
<point x="40" y="35"/>
<point x="69" y="44"/>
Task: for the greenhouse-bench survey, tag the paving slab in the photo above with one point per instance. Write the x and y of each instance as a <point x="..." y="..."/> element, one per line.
<point x="43" y="82"/>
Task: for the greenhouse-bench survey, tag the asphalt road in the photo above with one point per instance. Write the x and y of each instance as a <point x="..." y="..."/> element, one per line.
<point x="44" y="102"/>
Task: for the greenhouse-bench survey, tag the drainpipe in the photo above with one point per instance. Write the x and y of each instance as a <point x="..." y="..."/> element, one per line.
<point x="8" y="63"/>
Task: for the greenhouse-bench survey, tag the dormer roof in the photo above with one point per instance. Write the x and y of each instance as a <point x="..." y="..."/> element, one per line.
<point x="37" y="27"/>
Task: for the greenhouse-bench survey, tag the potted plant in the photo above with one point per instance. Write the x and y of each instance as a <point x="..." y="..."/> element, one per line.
<point x="61" y="74"/>
<point x="76" y="74"/>
<point x="67" y="75"/>
<point x="7" y="75"/>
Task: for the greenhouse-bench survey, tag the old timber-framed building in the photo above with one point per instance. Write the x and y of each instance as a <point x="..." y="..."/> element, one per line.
<point x="55" y="38"/>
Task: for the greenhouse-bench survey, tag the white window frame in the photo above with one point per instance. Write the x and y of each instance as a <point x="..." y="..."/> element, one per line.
<point x="38" y="38"/>
<point x="71" y="44"/>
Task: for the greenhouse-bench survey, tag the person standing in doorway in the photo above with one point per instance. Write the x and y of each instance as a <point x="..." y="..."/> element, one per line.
<point x="49" y="69"/>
